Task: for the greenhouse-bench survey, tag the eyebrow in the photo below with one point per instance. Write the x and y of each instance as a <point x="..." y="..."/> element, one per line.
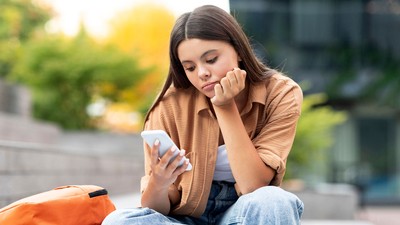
<point x="202" y="55"/>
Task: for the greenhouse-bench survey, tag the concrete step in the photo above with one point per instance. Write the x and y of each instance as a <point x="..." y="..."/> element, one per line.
<point x="16" y="128"/>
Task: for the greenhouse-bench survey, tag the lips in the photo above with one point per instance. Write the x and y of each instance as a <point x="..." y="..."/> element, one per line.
<point x="209" y="86"/>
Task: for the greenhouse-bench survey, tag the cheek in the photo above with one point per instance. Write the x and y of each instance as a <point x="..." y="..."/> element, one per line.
<point x="225" y="66"/>
<point x="193" y="79"/>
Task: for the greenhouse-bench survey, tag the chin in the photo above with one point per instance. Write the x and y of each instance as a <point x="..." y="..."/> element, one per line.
<point x="210" y="95"/>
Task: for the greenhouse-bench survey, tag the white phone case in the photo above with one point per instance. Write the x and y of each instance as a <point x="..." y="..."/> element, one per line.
<point x="166" y="143"/>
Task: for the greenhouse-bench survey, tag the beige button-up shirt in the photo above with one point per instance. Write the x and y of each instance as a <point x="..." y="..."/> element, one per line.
<point x="269" y="116"/>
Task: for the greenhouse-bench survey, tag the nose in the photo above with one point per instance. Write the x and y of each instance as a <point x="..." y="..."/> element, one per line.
<point x="203" y="72"/>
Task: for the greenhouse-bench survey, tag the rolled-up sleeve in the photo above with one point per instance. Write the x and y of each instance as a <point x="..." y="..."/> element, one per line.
<point x="275" y="140"/>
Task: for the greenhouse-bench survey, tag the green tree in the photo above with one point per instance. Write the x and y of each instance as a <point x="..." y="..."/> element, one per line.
<point x="19" y="20"/>
<point x="314" y="135"/>
<point x="66" y="75"/>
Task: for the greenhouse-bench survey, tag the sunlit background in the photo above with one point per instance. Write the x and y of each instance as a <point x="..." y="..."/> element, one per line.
<point x="77" y="77"/>
<point x="135" y="26"/>
<point x="96" y="15"/>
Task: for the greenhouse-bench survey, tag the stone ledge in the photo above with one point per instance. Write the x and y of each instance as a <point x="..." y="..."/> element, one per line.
<point x="329" y="202"/>
<point x="27" y="169"/>
<point x="16" y="128"/>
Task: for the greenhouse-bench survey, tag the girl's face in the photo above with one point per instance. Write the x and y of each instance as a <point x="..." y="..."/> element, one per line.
<point x="206" y="62"/>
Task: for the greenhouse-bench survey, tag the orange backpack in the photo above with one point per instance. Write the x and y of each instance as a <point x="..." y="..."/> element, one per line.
<point x="66" y="205"/>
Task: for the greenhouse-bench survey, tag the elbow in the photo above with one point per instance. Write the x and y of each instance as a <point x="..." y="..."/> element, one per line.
<point x="259" y="178"/>
<point x="249" y="188"/>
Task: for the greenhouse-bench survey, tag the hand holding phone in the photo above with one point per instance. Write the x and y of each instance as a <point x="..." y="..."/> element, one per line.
<point x="150" y="136"/>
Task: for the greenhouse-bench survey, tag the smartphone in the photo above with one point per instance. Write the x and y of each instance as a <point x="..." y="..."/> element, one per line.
<point x="150" y="136"/>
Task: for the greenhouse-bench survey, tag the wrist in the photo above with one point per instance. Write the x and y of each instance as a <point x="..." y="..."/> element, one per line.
<point x="228" y="107"/>
<point x="157" y="186"/>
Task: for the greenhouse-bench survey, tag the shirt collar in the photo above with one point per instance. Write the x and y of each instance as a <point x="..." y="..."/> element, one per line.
<point x="257" y="94"/>
<point x="202" y="103"/>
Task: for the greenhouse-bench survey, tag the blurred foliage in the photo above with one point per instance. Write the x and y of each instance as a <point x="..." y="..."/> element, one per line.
<point x="144" y="31"/>
<point x="375" y="71"/>
<point x="19" y="20"/>
<point x="66" y="74"/>
<point x="314" y="135"/>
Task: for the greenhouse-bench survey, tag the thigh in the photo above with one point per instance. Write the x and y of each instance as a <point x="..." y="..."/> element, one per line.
<point x="266" y="205"/>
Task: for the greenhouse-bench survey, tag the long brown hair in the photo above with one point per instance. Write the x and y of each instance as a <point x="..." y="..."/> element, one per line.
<point x="210" y="23"/>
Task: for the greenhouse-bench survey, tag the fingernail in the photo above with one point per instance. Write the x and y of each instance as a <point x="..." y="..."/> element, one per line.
<point x="182" y="153"/>
<point x="157" y="142"/>
<point x="173" y="149"/>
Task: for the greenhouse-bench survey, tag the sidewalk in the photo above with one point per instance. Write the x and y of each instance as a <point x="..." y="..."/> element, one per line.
<point x="133" y="200"/>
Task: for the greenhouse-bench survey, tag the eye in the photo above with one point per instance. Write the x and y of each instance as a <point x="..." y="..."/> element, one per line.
<point x="190" y="69"/>
<point x="213" y="60"/>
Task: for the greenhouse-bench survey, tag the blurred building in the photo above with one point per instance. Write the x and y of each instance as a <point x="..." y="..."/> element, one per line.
<point x="348" y="49"/>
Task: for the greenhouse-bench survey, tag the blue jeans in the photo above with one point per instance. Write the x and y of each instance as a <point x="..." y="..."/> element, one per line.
<point x="266" y="205"/>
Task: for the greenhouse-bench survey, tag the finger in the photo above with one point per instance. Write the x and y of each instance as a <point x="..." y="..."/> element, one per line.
<point x="235" y="76"/>
<point x="226" y="84"/>
<point x="154" y="152"/>
<point x="238" y="79"/>
<point x="178" y="171"/>
<point x="218" y="90"/>
<point x="175" y="163"/>
<point x="230" y="76"/>
<point x="241" y="76"/>
<point x="166" y="158"/>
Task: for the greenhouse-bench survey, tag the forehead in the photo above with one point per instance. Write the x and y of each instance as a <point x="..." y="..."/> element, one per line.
<point x="191" y="49"/>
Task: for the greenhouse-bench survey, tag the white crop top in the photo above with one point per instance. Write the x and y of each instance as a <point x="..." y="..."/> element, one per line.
<point x="223" y="170"/>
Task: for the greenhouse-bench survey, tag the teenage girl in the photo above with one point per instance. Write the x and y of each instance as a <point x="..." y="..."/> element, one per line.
<point x="233" y="118"/>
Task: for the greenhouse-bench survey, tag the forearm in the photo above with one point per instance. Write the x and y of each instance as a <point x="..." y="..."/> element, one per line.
<point x="156" y="198"/>
<point x="249" y="171"/>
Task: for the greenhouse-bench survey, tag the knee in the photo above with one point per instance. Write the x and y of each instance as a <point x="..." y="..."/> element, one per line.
<point x="125" y="216"/>
<point x="275" y="199"/>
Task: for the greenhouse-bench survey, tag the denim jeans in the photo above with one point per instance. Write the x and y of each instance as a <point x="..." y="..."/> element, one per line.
<point x="266" y="205"/>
